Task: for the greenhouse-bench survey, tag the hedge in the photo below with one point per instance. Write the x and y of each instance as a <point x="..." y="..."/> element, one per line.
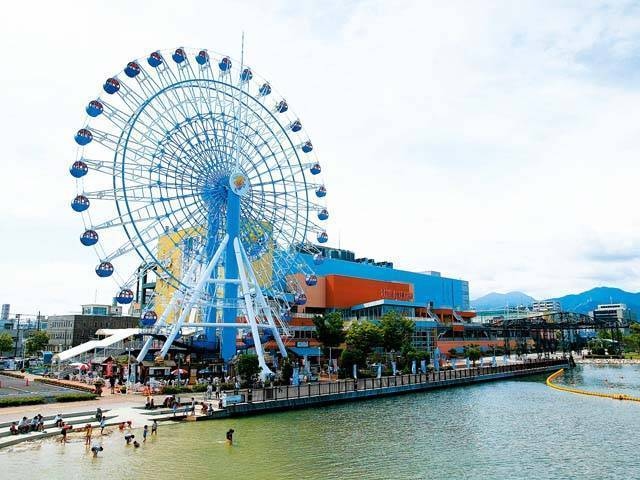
<point x="171" y="390"/>
<point x="75" y="397"/>
<point x="17" y="401"/>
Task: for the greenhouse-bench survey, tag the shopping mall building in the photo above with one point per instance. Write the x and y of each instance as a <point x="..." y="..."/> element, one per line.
<point x="363" y="289"/>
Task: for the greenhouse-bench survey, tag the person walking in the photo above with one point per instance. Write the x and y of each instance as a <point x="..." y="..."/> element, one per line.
<point x="209" y="392"/>
<point x="145" y="433"/>
<point x="103" y="423"/>
<point x="154" y="427"/>
<point x="112" y="384"/>
<point x="230" y="436"/>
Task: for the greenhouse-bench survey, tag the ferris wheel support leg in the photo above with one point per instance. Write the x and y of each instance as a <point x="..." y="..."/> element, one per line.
<point x="264" y="305"/>
<point x="177" y="295"/>
<point x="251" y="314"/>
<point x="195" y="297"/>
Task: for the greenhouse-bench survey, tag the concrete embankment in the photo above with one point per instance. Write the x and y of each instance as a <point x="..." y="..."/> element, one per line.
<point x="286" y="398"/>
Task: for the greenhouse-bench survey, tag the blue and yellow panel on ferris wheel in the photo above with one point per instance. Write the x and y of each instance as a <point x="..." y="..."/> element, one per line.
<point x="132" y="69"/>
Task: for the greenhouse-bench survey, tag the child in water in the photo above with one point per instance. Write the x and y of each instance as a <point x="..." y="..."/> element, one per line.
<point x="230" y="436"/>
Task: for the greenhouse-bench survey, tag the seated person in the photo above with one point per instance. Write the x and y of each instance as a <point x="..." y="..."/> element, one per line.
<point x="13" y="429"/>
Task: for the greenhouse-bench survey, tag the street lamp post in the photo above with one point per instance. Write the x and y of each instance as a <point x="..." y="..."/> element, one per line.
<point x="330" y="364"/>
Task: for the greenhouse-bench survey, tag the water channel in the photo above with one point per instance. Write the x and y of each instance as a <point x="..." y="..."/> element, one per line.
<point x="509" y="429"/>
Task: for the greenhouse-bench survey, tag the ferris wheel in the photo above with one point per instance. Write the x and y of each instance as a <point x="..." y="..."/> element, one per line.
<point x="199" y="169"/>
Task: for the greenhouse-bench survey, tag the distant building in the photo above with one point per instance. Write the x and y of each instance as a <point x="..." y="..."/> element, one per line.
<point x="613" y="312"/>
<point x="66" y="331"/>
<point x="102" y="310"/>
<point x="4" y="315"/>
<point x="546" y="306"/>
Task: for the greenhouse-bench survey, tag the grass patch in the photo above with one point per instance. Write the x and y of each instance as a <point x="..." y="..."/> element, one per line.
<point x="75" y="397"/>
<point x="17" y="401"/>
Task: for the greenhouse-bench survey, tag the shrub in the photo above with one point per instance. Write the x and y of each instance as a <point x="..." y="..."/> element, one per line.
<point x="171" y="390"/>
<point x="17" y="401"/>
<point x="199" y="387"/>
<point x="12" y="374"/>
<point x="75" y="397"/>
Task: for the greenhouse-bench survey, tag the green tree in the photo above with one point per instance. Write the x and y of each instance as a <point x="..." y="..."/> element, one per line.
<point x="37" y="341"/>
<point x="330" y="329"/>
<point x="248" y="366"/>
<point x="286" y="372"/>
<point x="396" y="331"/>
<point x="351" y="357"/>
<point x="364" y="336"/>
<point x="6" y="342"/>
<point x="473" y="352"/>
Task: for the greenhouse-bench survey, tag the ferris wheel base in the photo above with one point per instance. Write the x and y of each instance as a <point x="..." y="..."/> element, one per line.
<point x="252" y="304"/>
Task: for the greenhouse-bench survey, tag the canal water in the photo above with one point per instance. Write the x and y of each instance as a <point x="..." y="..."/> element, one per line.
<point x="517" y="429"/>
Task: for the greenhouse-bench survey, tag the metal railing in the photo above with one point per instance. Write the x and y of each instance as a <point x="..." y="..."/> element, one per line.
<point x="443" y="377"/>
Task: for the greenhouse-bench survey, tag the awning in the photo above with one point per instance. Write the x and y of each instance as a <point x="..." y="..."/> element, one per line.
<point x="308" y="351"/>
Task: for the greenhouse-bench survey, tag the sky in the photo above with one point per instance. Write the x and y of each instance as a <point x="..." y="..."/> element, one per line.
<point x="494" y="141"/>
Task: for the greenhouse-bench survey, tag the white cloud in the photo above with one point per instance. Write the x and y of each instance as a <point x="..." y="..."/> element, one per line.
<point x="486" y="140"/>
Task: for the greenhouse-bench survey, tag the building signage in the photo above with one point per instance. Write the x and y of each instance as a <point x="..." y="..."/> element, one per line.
<point x="302" y="344"/>
<point x="391" y="294"/>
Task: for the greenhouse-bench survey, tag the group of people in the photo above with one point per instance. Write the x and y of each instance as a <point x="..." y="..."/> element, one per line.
<point x="36" y="424"/>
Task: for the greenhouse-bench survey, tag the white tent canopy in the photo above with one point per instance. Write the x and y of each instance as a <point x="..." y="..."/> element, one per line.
<point x="113" y="336"/>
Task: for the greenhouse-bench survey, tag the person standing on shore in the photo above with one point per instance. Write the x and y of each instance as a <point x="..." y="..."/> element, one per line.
<point x="87" y="435"/>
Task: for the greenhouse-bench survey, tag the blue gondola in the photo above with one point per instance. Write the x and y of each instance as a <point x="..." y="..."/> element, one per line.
<point x="80" y="203"/>
<point x="83" y="137"/>
<point x="225" y="64"/>
<point x="300" y="299"/>
<point x="148" y="318"/>
<point x="323" y="214"/>
<point x="111" y="86"/>
<point x="125" y="296"/>
<point x="321" y="191"/>
<point x="132" y="69"/>
<point x="318" y="259"/>
<point x="311" y="280"/>
<point x="264" y="90"/>
<point x="307" y="146"/>
<point x="286" y="315"/>
<point x="179" y="55"/>
<point x="315" y="169"/>
<point x="89" y="238"/>
<point x="282" y="106"/>
<point x="78" y="169"/>
<point x="203" y="57"/>
<point x="323" y="237"/>
<point x="94" y="108"/>
<point x="246" y="75"/>
<point x="295" y="126"/>
<point x="105" y="269"/>
<point x="155" y="59"/>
